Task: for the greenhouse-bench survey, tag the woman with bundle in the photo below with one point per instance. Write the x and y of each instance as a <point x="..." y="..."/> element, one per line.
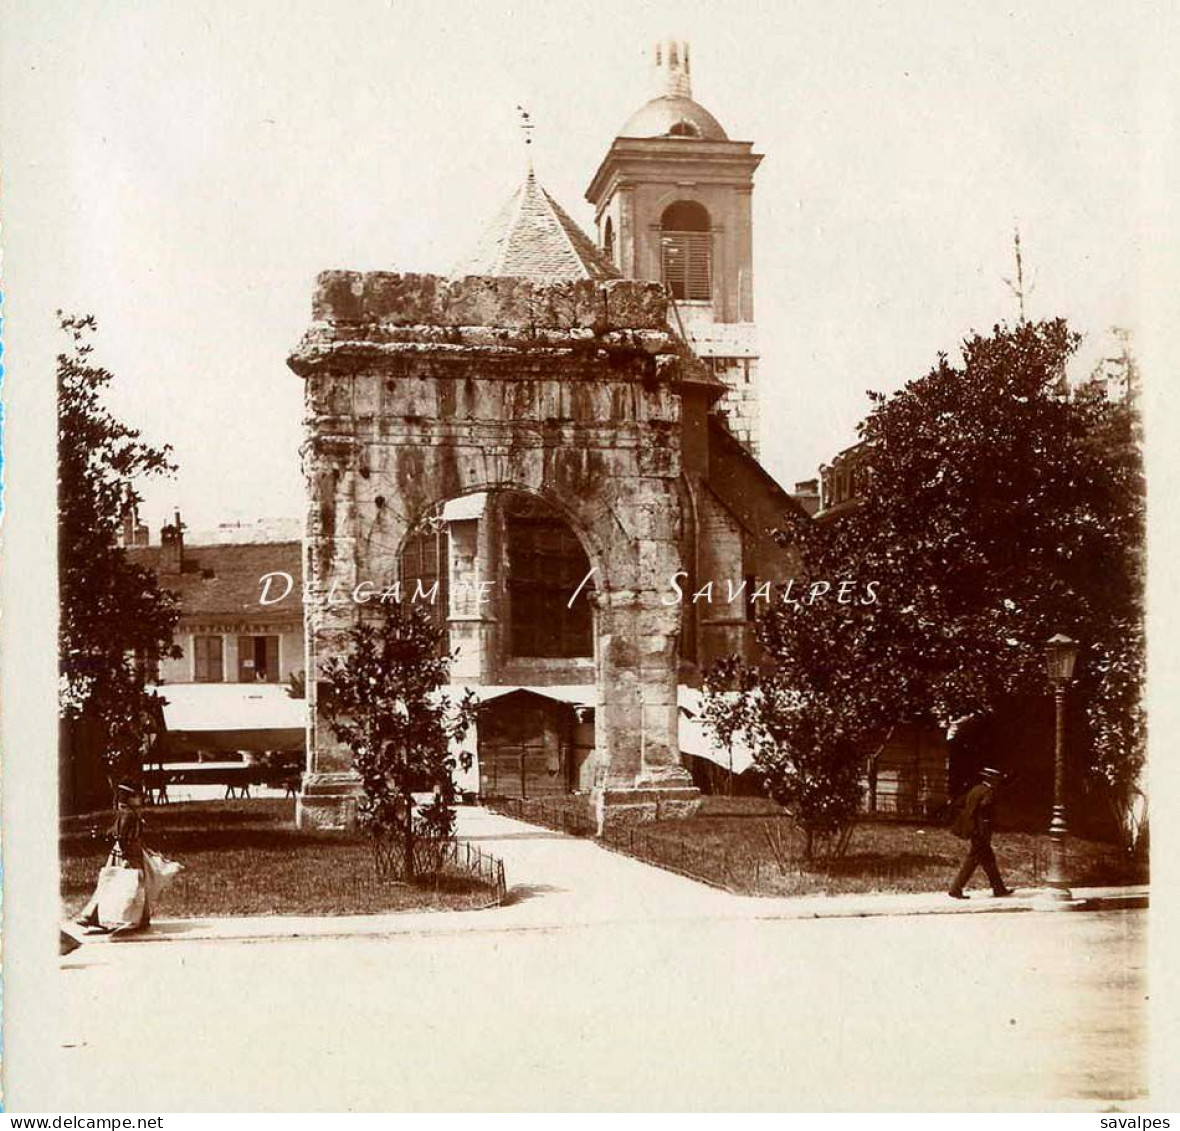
<point x="133" y="877"/>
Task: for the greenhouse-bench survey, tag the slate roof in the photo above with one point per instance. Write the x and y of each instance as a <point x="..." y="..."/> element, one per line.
<point x="532" y="237"/>
<point x="224" y="580"/>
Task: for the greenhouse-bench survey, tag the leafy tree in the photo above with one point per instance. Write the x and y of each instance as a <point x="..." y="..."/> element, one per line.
<point x="383" y="700"/>
<point x="809" y="761"/>
<point x="116" y="624"/>
<point x="1110" y="684"/>
<point x="999" y="508"/>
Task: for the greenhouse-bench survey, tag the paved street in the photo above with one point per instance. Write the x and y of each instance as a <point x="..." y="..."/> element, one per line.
<point x="607" y="984"/>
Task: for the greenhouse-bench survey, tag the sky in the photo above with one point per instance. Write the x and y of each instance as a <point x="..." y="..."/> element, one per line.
<point x="188" y="169"/>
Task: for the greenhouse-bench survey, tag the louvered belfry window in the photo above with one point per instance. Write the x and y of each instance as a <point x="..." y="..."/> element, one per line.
<point x="686" y="251"/>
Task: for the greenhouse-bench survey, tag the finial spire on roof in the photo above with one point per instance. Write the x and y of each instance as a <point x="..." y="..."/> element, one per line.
<point x="672" y="69"/>
<point x="526" y="124"/>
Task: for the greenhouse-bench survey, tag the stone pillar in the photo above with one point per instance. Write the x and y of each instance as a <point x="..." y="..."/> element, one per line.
<point x="330" y="788"/>
<point x="639" y="776"/>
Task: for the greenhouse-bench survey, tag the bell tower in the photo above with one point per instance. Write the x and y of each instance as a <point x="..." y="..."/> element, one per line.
<point x="672" y="201"/>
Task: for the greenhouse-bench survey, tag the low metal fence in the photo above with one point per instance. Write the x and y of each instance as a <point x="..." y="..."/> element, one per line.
<point x="773" y="862"/>
<point x="570" y="815"/>
<point x="483" y="865"/>
<point x="437" y="859"/>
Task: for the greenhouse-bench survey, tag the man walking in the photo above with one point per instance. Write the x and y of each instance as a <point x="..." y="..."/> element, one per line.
<point x="974" y="823"/>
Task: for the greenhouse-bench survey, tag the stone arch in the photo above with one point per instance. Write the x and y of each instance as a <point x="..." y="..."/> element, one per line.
<point x="457" y="550"/>
<point x="682" y="194"/>
<point x="593" y="519"/>
<point x="421" y="391"/>
<point x="608" y="240"/>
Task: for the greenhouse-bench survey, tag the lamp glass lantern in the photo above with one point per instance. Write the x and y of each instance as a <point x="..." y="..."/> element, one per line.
<point x="1061" y="654"/>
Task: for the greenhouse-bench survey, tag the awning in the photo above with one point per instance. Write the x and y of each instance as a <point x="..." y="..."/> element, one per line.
<point x="465" y="507"/>
<point x="696" y="740"/>
<point x="232" y="716"/>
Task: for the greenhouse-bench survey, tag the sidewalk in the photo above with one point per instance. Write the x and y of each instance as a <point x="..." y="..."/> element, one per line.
<point x="557" y="882"/>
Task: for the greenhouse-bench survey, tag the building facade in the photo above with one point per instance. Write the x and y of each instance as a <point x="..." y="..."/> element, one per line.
<point x="556" y="442"/>
<point x="241" y="642"/>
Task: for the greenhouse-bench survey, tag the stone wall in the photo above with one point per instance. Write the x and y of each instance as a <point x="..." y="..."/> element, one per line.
<point x="723" y="624"/>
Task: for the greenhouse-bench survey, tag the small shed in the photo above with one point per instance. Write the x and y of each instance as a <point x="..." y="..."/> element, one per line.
<point x="535" y="741"/>
<point x="907" y="777"/>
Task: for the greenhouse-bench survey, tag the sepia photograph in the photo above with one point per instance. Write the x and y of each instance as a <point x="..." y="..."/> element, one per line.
<point x="582" y="558"/>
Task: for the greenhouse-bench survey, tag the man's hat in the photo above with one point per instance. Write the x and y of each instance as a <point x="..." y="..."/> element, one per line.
<point x="128" y="787"/>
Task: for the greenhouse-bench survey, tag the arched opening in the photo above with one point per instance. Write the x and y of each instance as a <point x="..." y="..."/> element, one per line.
<point x="684" y="128"/>
<point x="515" y="593"/>
<point x="686" y="251"/>
<point x="510" y="558"/>
<point x="608" y="240"/>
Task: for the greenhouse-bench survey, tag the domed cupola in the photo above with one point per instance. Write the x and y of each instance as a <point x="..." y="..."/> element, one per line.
<point x="672" y="112"/>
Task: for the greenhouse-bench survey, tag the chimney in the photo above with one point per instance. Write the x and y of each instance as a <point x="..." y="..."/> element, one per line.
<point x="132" y="532"/>
<point x="671" y="73"/>
<point x="806" y="494"/>
<point x="172" y="546"/>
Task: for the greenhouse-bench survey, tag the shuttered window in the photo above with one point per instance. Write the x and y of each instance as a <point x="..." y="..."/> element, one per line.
<point x="687" y="265"/>
<point x="424" y="562"/>
<point x="208" y="659"/>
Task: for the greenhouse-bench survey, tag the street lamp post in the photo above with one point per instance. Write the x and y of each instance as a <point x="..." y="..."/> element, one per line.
<point x="1061" y="654"/>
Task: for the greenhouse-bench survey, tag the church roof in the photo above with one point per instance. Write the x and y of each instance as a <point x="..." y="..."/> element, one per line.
<point x="673" y="115"/>
<point x="532" y="237"/>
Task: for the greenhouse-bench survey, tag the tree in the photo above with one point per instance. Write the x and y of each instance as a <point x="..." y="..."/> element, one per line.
<point x="808" y="759"/>
<point x="1111" y="684"/>
<point x="116" y="624"/>
<point x="383" y="700"/>
<point x="999" y="508"/>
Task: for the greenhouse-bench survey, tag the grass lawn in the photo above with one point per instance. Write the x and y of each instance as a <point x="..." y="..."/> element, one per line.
<point x="727" y="843"/>
<point x="247" y="858"/>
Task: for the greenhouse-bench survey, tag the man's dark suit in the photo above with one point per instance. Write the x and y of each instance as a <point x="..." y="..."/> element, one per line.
<point x="974" y="822"/>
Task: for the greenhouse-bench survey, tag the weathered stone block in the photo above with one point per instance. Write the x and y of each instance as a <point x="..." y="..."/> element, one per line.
<point x="422" y="389"/>
<point x="328" y="801"/>
<point x="626" y="808"/>
<point x="431" y="300"/>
